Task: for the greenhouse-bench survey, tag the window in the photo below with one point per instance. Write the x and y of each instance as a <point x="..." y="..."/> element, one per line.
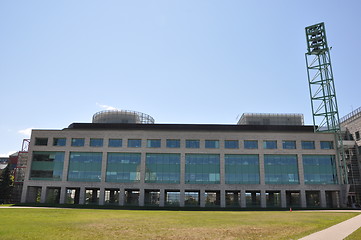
<point x="250" y="144"/>
<point x="85" y="166"/>
<point x="202" y="168"/>
<point x="41" y="141"/>
<point x="319" y="169"/>
<point x="59" y="141"/>
<point x="192" y="144"/>
<point x="289" y="144"/>
<point x="241" y="169"/>
<point x="96" y="142"/>
<point x="308" y="144"/>
<point x="47" y="166"/>
<point x="231" y="144"/>
<point x="173" y="143"/>
<point x="212" y="144"/>
<point x="123" y="167"/>
<point x="135" y="143"/>
<point x="77" y="142"/>
<point x="357" y="135"/>
<point x="270" y="144"/>
<point x="326" y="144"/>
<point x="153" y="143"/>
<point x="281" y="169"/>
<point x="162" y="168"/>
<point x="115" y="143"/>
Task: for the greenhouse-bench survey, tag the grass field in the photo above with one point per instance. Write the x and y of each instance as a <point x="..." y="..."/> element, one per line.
<point x="43" y="223"/>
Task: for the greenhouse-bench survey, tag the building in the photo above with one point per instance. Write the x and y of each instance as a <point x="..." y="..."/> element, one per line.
<point x="351" y="125"/>
<point x="124" y="158"/>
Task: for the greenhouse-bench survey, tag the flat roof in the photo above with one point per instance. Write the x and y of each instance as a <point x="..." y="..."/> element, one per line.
<point x="190" y="127"/>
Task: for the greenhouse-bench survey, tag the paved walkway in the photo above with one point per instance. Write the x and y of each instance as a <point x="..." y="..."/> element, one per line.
<point x="338" y="231"/>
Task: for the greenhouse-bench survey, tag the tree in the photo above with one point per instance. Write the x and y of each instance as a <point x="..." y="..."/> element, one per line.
<point x="6" y="185"/>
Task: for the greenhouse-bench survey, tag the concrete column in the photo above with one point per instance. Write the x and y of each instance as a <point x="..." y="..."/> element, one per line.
<point x="82" y="195"/>
<point x="242" y="198"/>
<point x="142" y="168"/>
<point x="24" y="193"/>
<point x="121" y="197"/>
<point x="222" y="170"/>
<point x="323" y="198"/>
<point x="223" y="198"/>
<point x="104" y="167"/>
<point x="283" y="199"/>
<point x="101" y="196"/>
<point x="202" y="198"/>
<point x="62" y="195"/>
<point x="263" y="199"/>
<point x="261" y="170"/>
<point x="66" y="166"/>
<point x="301" y="175"/>
<point x="182" y="168"/>
<point x="141" y="197"/>
<point x="181" y="198"/>
<point x="43" y="194"/>
<point x="161" y="197"/>
<point x="303" y="199"/>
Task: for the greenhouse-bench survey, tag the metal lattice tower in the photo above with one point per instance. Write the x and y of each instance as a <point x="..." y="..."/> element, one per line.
<point x="322" y="89"/>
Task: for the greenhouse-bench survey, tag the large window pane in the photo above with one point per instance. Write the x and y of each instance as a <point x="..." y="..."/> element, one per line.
<point x="270" y="144"/>
<point x="115" y="143"/>
<point x="319" y="169"/>
<point x="85" y="166"/>
<point x="153" y="143"/>
<point x="231" y="144"/>
<point x="173" y="143"/>
<point x="202" y="168"/>
<point x="41" y="141"/>
<point x="308" y="144"/>
<point x="241" y="169"/>
<point x="192" y="144"/>
<point x="123" y="167"/>
<point x="77" y="142"/>
<point x="212" y="144"/>
<point x="281" y="169"/>
<point x="289" y="144"/>
<point x="135" y="143"/>
<point x="162" y="168"/>
<point x="96" y="142"/>
<point x="59" y="141"/>
<point x="326" y="144"/>
<point x="47" y="166"/>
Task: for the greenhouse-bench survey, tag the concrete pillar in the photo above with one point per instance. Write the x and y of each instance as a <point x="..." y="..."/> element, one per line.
<point x="82" y="195"/>
<point x="301" y="175"/>
<point x="142" y="168"/>
<point x="181" y="198"/>
<point x="121" y="196"/>
<point x="242" y="198"/>
<point x="263" y="199"/>
<point x="62" y="195"/>
<point x="202" y="200"/>
<point x="222" y="171"/>
<point x="161" y="197"/>
<point x="101" y="196"/>
<point x="323" y="199"/>
<point x="303" y="198"/>
<point x="66" y="166"/>
<point x="104" y="167"/>
<point x="43" y="194"/>
<point x="141" y="197"/>
<point x="261" y="169"/>
<point x="24" y="193"/>
<point x="182" y="169"/>
<point x="283" y="199"/>
<point x="223" y="198"/>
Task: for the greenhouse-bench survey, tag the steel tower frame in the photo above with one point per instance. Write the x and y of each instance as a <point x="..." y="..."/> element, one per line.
<point x="322" y="90"/>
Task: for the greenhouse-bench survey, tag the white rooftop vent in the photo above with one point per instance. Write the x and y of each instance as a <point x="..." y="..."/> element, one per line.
<point x="122" y="116"/>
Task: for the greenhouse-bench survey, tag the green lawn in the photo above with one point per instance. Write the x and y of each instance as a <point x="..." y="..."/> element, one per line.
<point x="142" y="224"/>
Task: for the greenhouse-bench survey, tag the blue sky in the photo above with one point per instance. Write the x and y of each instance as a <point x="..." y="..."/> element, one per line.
<point x="178" y="61"/>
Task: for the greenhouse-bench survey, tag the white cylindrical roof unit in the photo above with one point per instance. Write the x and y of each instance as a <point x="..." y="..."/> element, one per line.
<point x="122" y="116"/>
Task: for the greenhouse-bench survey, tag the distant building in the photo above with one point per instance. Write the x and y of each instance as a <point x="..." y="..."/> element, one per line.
<point x="3" y="163"/>
<point x="124" y="158"/>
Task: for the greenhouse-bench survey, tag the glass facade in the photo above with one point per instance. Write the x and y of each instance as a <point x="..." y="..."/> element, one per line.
<point x="77" y="142"/>
<point x="96" y="142"/>
<point x="85" y="166"/>
<point x="59" y="141"/>
<point x="231" y="144"/>
<point x="250" y="144"/>
<point x="319" y="169"/>
<point x="241" y="169"/>
<point x="270" y="144"/>
<point x="289" y="144"/>
<point x="192" y="144"/>
<point x="47" y="166"/>
<point x="123" y="167"/>
<point x="172" y="198"/>
<point x="115" y="143"/>
<point x="202" y="168"/>
<point x="41" y="141"/>
<point x="153" y="143"/>
<point x="136" y="143"/>
<point x="212" y="144"/>
<point x="191" y="198"/>
<point x="281" y="169"/>
<point x="308" y="144"/>
<point x="162" y="168"/>
<point x="173" y="143"/>
<point x="326" y="144"/>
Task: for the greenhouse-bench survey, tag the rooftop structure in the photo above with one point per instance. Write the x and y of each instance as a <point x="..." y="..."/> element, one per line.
<point x="271" y="119"/>
<point x="122" y="116"/>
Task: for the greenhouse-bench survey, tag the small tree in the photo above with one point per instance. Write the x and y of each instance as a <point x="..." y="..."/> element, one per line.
<point x="6" y="185"/>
